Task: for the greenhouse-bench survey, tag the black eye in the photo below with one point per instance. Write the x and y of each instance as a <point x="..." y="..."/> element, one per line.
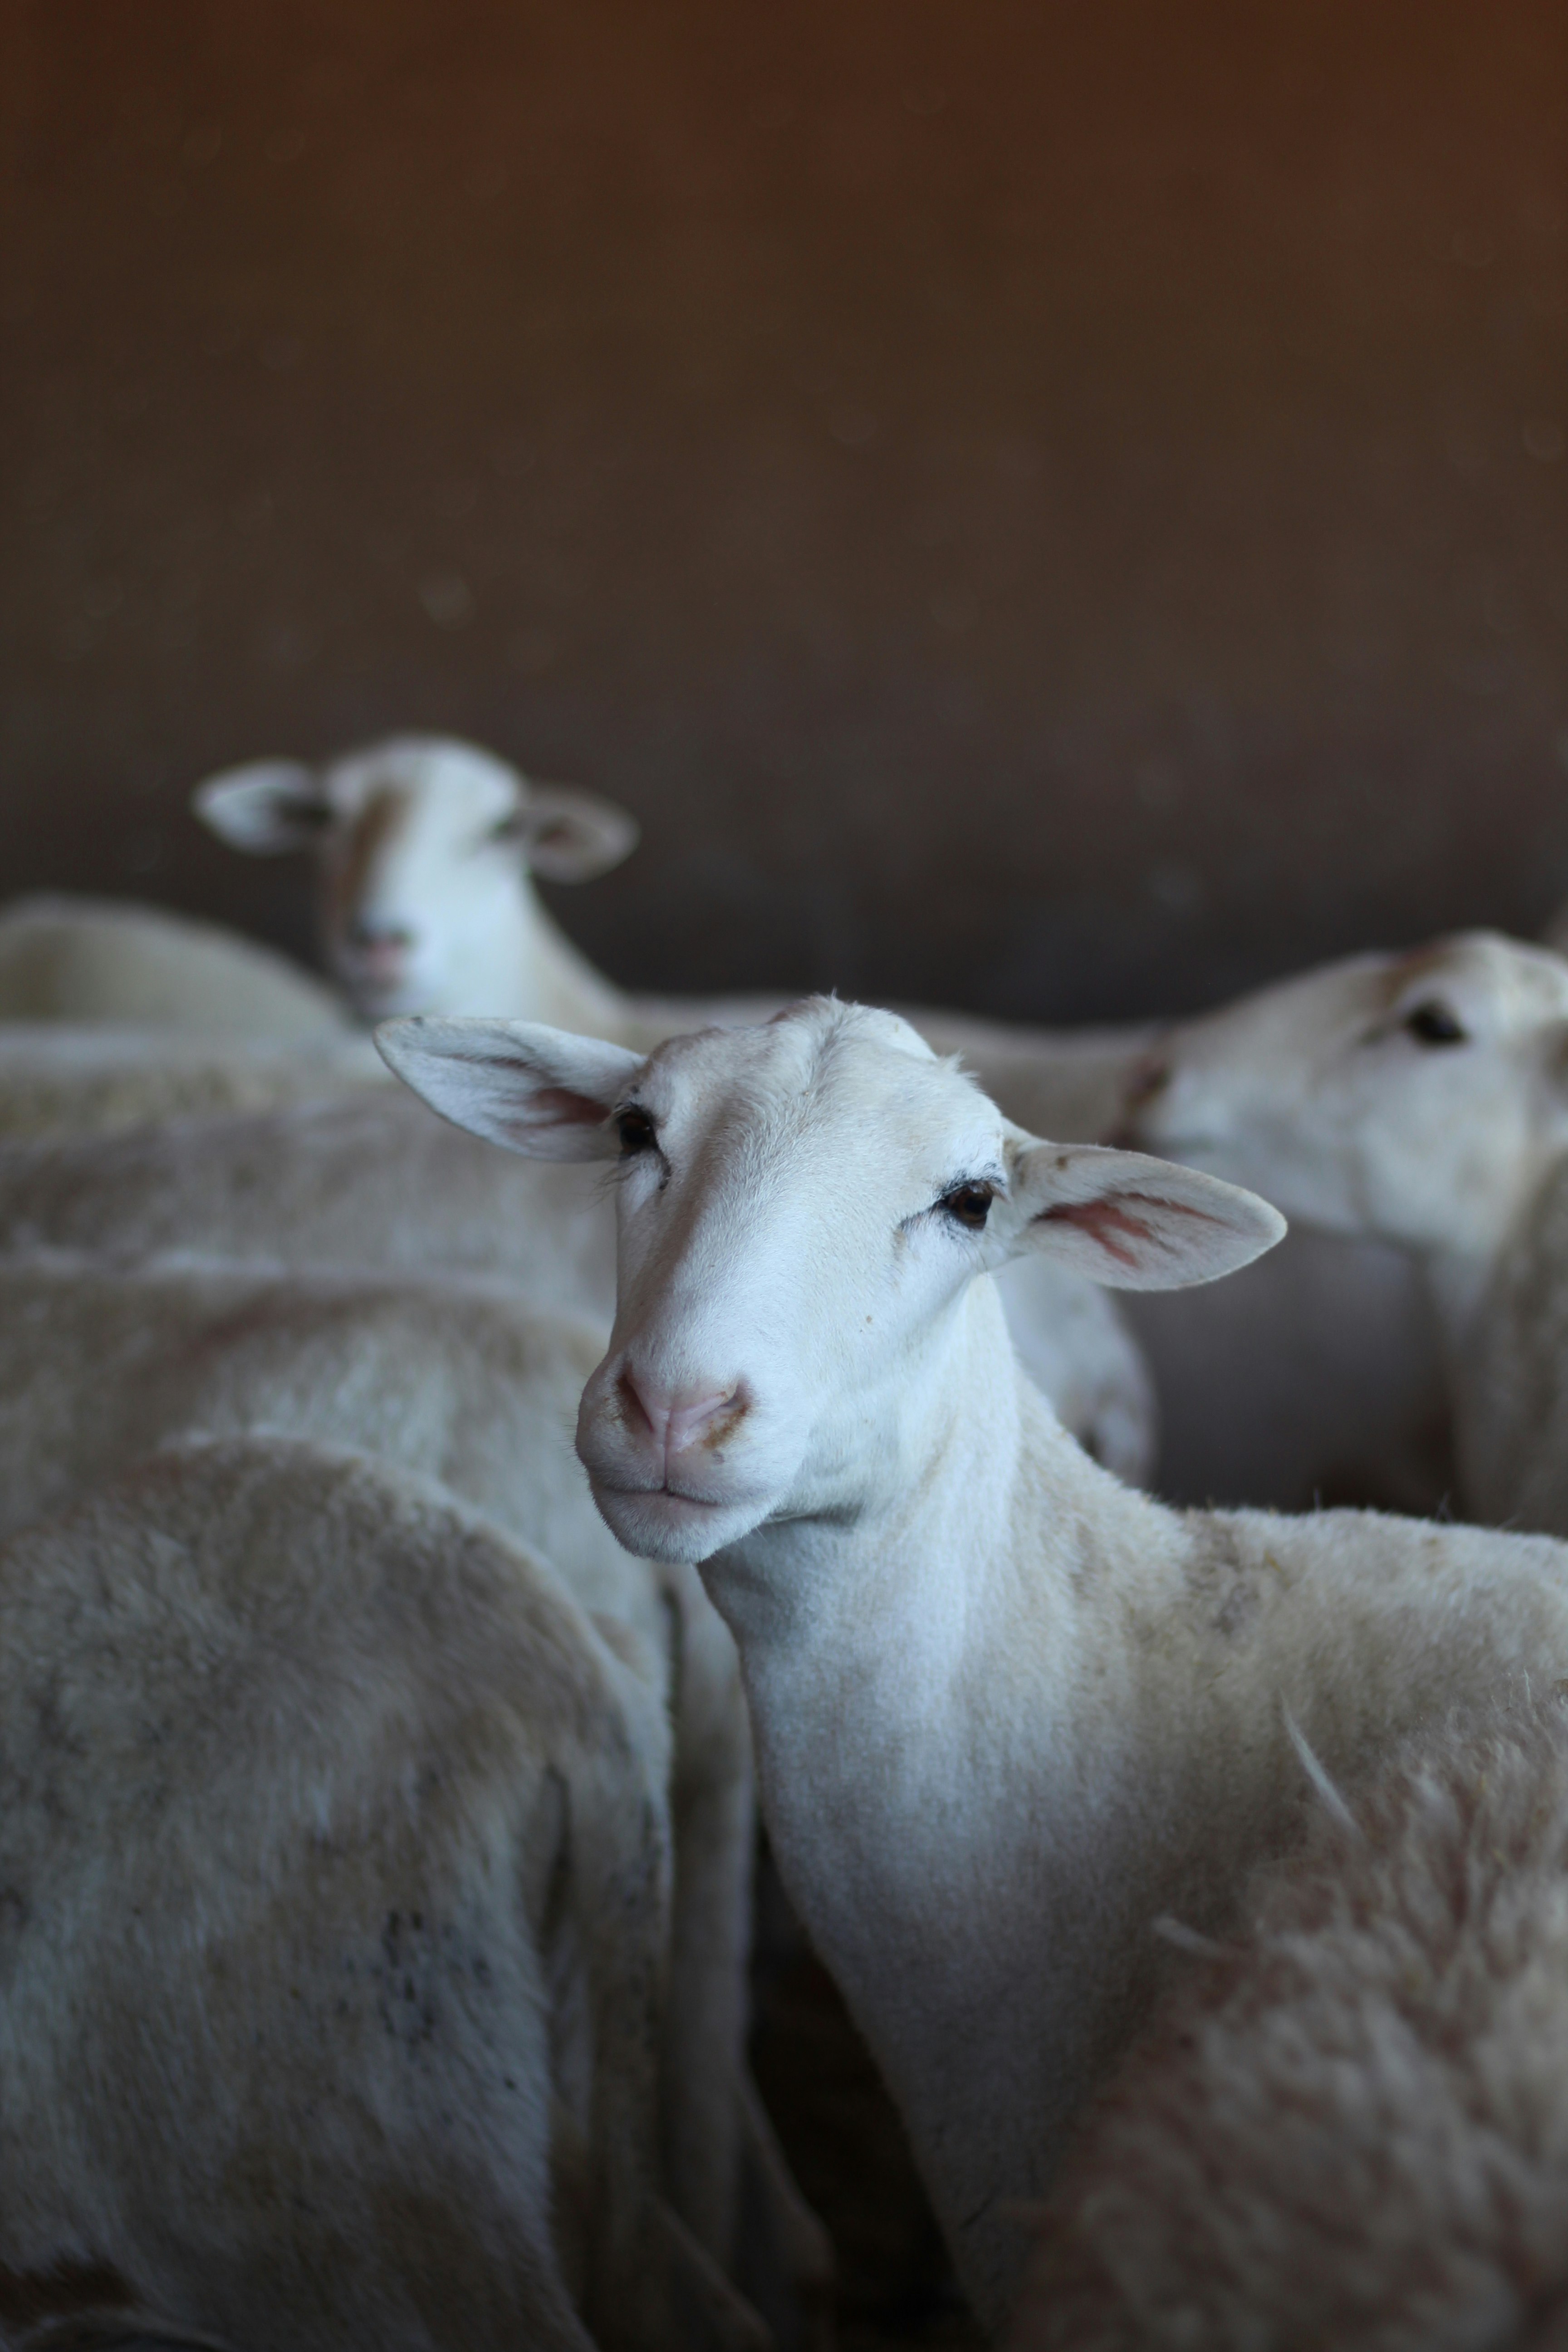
<point x="635" y="1130"/>
<point x="1433" y="1024"/>
<point x="970" y="1204"/>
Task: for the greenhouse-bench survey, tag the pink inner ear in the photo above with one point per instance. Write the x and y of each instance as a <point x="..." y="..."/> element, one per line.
<point x="559" y="1106"/>
<point x="1105" y="1219"/>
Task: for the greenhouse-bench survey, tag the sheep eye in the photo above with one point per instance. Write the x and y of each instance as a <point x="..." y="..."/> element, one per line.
<point x="969" y="1205"/>
<point x="1433" y="1024"/>
<point x="635" y="1130"/>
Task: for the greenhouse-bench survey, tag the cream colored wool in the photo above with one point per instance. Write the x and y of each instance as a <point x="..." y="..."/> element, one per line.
<point x="467" y="1385"/>
<point x="332" y="1903"/>
<point x="59" y="1078"/>
<point x="373" y="1182"/>
<point x="69" y="958"/>
<point x="1350" y="2127"/>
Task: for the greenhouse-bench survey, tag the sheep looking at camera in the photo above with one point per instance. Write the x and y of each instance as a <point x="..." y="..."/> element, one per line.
<point x="1007" y="1712"/>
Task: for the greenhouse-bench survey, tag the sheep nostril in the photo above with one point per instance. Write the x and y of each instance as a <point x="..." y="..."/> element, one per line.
<point x="634" y="1409"/>
<point x="380" y="938"/>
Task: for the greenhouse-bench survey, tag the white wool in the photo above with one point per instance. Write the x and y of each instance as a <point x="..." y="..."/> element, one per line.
<point x="1345" y="2128"/>
<point x="107" y="960"/>
<point x="467" y="1385"/>
<point x="60" y="1077"/>
<point x="334" y="1887"/>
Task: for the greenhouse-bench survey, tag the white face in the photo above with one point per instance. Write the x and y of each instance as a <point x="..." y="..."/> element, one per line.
<point x="801" y="1207"/>
<point x="420" y="859"/>
<point x="423" y="848"/>
<point x="1414" y="1098"/>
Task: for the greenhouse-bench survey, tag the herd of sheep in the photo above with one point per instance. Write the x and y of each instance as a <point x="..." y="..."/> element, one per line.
<point x="419" y="1559"/>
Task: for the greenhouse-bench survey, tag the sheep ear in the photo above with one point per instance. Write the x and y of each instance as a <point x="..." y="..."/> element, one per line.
<point x="1134" y="1222"/>
<point x="570" y="836"/>
<point x="531" y="1089"/>
<point x="265" y="807"/>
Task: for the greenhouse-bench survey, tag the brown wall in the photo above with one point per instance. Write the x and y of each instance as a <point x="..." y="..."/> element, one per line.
<point x="1058" y="508"/>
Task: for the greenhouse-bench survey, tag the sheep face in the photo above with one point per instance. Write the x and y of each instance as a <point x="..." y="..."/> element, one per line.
<point x="803" y="1209"/>
<point x="424" y="849"/>
<point x="1414" y="1098"/>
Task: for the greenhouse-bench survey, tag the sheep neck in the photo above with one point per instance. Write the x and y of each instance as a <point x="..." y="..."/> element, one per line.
<point x="553" y="982"/>
<point x="914" y="1661"/>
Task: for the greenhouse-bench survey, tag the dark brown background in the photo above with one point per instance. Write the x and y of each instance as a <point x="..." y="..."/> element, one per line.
<point x="1054" y="508"/>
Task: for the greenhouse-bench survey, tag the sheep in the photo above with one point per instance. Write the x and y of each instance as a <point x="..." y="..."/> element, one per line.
<point x="96" y="1078"/>
<point x="369" y="1180"/>
<point x="332" y="1900"/>
<point x="1346" y="2127"/>
<point x="471" y="1388"/>
<point x="75" y="959"/>
<point x="425" y="849"/>
<point x="1420" y="1100"/>
<point x="1006" y="1711"/>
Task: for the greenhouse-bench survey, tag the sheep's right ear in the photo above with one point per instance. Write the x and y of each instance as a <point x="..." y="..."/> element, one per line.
<point x="1130" y="1222"/>
<point x="516" y="1083"/>
<point x="265" y="807"/>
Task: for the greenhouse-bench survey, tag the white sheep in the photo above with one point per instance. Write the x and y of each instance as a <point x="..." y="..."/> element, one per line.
<point x="1346" y="2128"/>
<point x="1007" y="1712"/>
<point x="424" y="848"/>
<point x="1420" y="1100"/>
<point x="74" y="958"/>
<point x="332" y="1906"/>
<point x="468" y="1386"/>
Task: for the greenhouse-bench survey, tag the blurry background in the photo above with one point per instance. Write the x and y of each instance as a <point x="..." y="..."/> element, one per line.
<point x="1052" y="509"/>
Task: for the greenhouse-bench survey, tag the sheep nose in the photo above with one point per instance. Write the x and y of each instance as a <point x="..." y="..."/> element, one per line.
<point x="676" y="1419"/>
<point x="387" y="938"/>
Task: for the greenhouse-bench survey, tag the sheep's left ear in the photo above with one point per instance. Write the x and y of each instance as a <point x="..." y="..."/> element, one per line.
<point x="1130" y="1222"/>
<point x="544" y="1092"/>
<point x="570" y="836"/>
<point x="265" y="808"/>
